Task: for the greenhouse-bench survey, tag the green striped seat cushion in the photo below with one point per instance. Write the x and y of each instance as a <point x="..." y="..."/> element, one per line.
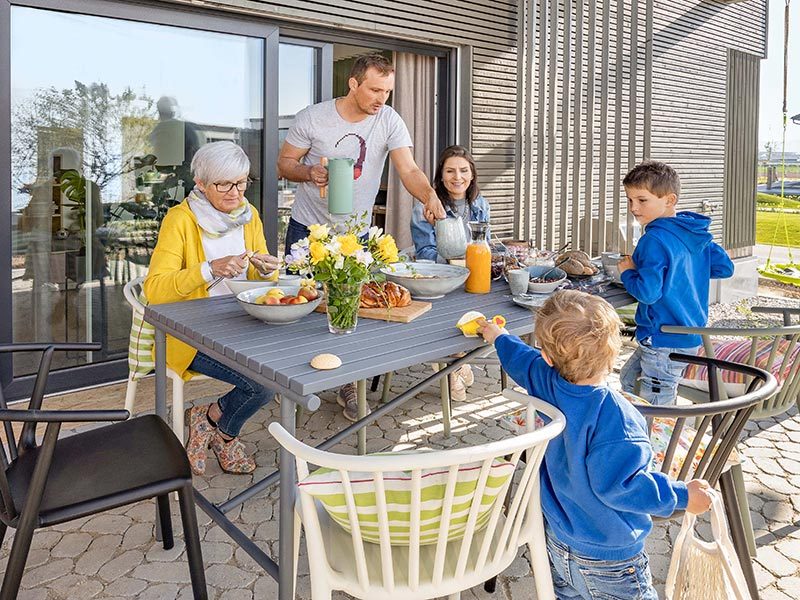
<point x="326" y="486"/>
<point x="140" y="346"/>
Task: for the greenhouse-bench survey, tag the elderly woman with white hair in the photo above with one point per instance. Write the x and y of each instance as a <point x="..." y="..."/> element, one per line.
<point x="214" y="232"/>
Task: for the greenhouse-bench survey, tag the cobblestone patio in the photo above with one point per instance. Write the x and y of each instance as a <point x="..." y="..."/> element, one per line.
<point x="114" y="555"/>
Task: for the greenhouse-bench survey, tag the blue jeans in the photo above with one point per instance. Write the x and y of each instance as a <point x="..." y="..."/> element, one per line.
<point x="238" y="405"/>
<point x="657" y="375"/>
<point x="295" y="232"/>
<point x="576" y="576"/>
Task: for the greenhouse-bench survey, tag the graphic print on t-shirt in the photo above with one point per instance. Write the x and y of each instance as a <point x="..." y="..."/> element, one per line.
<point x="361" y="154"/>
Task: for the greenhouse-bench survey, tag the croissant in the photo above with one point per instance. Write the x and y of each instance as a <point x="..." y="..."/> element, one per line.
<point x="384" y="295"/>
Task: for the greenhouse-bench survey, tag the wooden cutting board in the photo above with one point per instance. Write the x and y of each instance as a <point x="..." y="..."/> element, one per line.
<point x="406" y="314"/>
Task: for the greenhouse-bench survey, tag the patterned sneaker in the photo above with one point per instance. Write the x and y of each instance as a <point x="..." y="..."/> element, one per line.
<point x="458" y="393"/>
<point x="200" y="432"/>
<point x="348" y="399"/>
<point x="232" y="455"/>
<point x="466" y="374"/>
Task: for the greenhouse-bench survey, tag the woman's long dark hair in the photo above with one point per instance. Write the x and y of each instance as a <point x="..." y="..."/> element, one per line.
<point x="438" y="183"/>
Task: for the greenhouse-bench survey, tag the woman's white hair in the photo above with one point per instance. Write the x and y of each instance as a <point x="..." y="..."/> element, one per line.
<point x="220" y="161"/>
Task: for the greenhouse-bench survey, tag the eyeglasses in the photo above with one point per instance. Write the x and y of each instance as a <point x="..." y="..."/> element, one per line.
<point x="224" y="188"/>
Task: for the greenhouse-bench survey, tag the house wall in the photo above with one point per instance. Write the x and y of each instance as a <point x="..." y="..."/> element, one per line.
<point x="613" y="82"/>
<point x="489" y="27"/>
<point x="692" y="40"/>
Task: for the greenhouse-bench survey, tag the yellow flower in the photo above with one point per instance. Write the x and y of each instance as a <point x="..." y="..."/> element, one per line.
<point x="318" y="252"/>
<point x="387" y="249"/>
<point x="349" y="244"/>
<point x="318" y="232"/>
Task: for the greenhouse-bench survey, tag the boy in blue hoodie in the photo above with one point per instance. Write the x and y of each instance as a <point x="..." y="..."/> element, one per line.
<point x="597" y="490"/>
<point x="669" y="275"/>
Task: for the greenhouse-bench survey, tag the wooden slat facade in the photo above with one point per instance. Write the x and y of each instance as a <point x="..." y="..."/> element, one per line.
<point x="663" y="89"/>
<point x="741" y="151"/>
<point x="555" y="126"/>
<point x="488" y="27"/>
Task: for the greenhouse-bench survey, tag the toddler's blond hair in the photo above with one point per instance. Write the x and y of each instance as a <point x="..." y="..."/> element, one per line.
<point x="579" y="333"/>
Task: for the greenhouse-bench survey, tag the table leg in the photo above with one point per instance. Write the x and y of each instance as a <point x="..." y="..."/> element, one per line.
<point x="161" y="373"/>
<point x="361" y="392"/>
<point x="286" y="508"/>
<point x="387" y="386"/>
<point x="161" y="393"/>
<point x="444" y="392"/>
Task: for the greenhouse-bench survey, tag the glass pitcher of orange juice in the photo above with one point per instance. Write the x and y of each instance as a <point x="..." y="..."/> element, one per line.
<point x="478" y="260"/>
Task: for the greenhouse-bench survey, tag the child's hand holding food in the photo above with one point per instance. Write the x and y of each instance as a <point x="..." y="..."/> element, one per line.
<point x="489" y="330"/>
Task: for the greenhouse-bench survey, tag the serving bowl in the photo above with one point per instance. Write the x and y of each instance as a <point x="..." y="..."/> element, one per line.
<point x="554" y="278"/>
<point x="426" y="281"/>
<point x="237" y="286"/>
<point x="276" y="314"/>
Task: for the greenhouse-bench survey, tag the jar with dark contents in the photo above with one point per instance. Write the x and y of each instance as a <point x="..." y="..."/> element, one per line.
<point x="498" y="265"/>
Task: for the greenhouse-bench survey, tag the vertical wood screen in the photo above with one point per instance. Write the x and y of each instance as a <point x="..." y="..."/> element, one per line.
<point x="583" y="125"/>
<point x="741" y="151"/>
<point x="607" y="84"/>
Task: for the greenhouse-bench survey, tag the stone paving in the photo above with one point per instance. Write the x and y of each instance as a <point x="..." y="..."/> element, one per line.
<point x="114" y="555"/>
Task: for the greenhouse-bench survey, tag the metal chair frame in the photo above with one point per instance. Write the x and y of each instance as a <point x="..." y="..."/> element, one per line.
<point x="33" y="496"/>
<point x="723" y="421"/>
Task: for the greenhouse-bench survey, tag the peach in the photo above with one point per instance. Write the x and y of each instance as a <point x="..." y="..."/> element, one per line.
<point x="287" y="299"/>
<point x="272" y="300"/>
<point x="308" y="293"/>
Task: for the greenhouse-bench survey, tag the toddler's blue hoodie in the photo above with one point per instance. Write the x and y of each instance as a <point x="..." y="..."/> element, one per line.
<point x="597" y="490"/>
<point x="675" y="259"/>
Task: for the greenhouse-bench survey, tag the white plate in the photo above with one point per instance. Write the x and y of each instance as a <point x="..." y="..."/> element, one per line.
<point x="532" y="301"/>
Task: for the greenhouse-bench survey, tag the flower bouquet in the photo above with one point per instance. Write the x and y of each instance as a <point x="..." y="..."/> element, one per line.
<point x="343" y="262"/>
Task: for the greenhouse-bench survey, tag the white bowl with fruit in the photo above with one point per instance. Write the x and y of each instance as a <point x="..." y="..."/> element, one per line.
<point x="279" y="305"/>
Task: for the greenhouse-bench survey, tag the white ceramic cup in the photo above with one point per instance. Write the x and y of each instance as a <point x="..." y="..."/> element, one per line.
<point x="518" y="281"/>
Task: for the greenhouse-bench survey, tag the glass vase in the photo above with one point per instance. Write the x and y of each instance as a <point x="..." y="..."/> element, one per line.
<point x="343" y="301"/>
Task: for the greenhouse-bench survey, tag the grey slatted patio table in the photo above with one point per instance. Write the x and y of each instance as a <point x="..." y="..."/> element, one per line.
<point x="277" y="356"/>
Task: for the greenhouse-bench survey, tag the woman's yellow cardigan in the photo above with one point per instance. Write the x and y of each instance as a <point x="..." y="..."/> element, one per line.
<point x="175" y="270"/>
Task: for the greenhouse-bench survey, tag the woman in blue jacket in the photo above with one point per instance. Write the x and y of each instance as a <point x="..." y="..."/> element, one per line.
<point x="456" y="184"/>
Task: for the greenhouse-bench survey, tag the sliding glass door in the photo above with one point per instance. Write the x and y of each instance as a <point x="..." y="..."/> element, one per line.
<point x="106" y="115"/>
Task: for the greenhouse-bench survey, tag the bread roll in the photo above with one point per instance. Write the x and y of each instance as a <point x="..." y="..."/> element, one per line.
<point x="384" y="295"/>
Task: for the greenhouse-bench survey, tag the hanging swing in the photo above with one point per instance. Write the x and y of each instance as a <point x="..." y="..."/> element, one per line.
<point x="783" y="272"/>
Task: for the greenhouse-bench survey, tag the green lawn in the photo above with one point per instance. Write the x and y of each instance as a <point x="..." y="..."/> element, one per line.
<point x="773" y="200"/>
<point x="767" y="222"/>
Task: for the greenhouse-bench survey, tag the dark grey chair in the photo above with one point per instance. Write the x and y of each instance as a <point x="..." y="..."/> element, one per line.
<point x="86" y="473"/>
<point x="723" y="421"/>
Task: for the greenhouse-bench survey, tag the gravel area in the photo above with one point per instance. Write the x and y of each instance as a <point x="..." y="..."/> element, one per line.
<point x="739" y="314"/>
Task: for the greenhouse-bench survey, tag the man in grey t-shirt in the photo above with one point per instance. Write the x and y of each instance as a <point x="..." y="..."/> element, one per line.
<point x="358" y="126"/>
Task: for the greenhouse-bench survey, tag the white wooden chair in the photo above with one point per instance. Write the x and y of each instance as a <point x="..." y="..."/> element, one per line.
<point x="339" y="560"/>
<point x="132" y="292"/>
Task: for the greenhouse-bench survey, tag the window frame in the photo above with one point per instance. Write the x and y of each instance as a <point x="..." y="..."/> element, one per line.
<point x="452" y="124"/>
<point x="173" y="16"/>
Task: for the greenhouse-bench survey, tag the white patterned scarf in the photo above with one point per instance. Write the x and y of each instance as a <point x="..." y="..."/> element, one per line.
<point x="216" y="223"/>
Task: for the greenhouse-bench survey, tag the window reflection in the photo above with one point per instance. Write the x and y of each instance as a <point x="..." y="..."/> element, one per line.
<point x="106" y="116"/>
<point x="297" y="74"/>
